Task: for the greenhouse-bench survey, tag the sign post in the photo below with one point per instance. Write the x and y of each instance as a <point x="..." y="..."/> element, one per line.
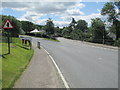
<point x="8" y="25"/>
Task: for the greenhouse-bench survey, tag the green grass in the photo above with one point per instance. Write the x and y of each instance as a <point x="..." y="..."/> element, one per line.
<point x="0" y="73"/>
<point x="51" y="39"/>
<point x="14" y="64"/>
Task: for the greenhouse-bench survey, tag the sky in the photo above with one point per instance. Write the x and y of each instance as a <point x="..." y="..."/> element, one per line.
<point x="60" y="12"/>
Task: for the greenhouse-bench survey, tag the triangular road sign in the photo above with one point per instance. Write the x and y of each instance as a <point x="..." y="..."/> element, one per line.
<point x="7" y="25"/>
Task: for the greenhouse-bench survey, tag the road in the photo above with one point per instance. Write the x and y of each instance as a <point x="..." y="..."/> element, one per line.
<point x="83" y="65"/>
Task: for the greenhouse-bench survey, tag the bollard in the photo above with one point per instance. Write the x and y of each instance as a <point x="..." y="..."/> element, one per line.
<point x="38" y="45"/>
<point x="30" y="44"/>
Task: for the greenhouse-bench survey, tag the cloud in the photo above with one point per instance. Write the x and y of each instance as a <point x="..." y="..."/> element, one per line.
<point x="64" y="10"/>
<point x="87" y="18"/>
<point x="74" y="12"/>
<point x="35" y="10"/>
<point x="40" y="7"/>
<point x="30" y="16"/>
<point x="61" y="23"/>
<point x="99" y="10"/>
<point x="14" y="5"/>
<point x="97" y="1"/>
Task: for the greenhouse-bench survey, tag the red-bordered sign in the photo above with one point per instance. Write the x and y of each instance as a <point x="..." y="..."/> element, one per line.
<point x="7" y="25"/>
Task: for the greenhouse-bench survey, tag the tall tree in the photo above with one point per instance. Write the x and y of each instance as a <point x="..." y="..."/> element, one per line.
<point x="98" y="29"/>
<point x="72" y="25"/>
<point x="82" y="25"/>
<point x="109" y="9"/>
<point x="49" y="27"/>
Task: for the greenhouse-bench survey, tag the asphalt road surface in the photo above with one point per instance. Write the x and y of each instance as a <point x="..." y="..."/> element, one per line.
<point x="83" y="65"/>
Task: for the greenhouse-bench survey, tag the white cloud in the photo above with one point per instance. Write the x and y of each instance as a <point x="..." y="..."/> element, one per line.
<point x="30" y="16"/>
<point x="35" y="10"/>
<point x="75" y="12"/>
<point x="79" y="5"/>
<point x="40" y="21"/>
<point x="41" y="7"/>
<point x="19" y="9"/>
<point x="61" y="23"/>
<point x="99" y="10"/>
<point x="64" y="10"/>
<point x="87" y="18"/>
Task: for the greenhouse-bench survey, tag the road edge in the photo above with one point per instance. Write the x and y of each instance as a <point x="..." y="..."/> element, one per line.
<point x="101" y="45"/>
<point x="96" y="44"/>
<point x="58" y="69"/>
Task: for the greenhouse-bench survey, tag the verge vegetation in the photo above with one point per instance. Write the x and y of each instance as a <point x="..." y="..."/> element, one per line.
<point x="14" y="64"/>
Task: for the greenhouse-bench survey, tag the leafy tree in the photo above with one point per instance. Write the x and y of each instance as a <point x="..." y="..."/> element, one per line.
<point x="98" y="30"/>
<point x="109" y="9"/>
<point x="82" y="25"/>
<point x="27" y="26"/>
<point x="77" y="34"/>
<point x="66" y="32"/>
<point x="49" y="27"/>
<point x="58" y="31"/>
<point x="16" y="23"/>
<point x="72" y="25"/>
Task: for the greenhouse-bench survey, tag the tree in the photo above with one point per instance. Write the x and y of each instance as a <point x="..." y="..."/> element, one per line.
<point x="109" y="9"/>
<point x="82" y="25"/>
<point x="66" y="32"/>
<point x="72" y="25"/>
<point x="27" y="26"/>
<point x="77" y="34"/>
<point x="16" y="23"/>
<point x="49" y="27"/>
<point x="98" y="30"/>
<point x="57" y="31"/>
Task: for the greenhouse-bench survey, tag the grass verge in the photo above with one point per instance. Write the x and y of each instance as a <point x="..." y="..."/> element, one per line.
<point x="14" y="64"/>
<point x="51" y="39"/>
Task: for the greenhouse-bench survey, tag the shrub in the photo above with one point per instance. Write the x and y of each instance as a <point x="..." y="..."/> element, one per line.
<point x="117" y="42"/>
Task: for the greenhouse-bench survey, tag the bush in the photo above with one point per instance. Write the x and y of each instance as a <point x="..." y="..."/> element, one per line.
<point x="54" y="38"/>
<point x="117" y="42"/>
<point x="68" y="37"/>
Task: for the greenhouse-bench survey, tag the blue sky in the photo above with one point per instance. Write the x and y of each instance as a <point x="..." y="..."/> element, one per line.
<point x="60" y="12"/>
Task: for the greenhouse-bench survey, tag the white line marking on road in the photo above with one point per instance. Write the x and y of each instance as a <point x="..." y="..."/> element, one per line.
<point x="60" y="73"/>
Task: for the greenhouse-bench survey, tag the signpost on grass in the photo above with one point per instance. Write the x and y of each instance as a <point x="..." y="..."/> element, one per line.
<point x="8" y="25"/>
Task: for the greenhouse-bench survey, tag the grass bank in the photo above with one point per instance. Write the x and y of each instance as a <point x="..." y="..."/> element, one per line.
<point x="51" y="39"/>
<point x="14" y="64"/>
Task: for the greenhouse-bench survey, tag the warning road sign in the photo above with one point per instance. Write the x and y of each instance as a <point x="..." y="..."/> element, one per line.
<point x="7" y="25"/>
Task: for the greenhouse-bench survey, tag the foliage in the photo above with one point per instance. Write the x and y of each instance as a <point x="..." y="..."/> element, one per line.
<point x="109" y="9"/>
<point x="49" y="27"/>
<point x="117" y="42"/>
<point x="14" y="64"/>
<point x="57" y="31"/>
<point x="20" y="27"/>
<point x="17" y="26"/>
<point x="76" y="34"/>
<point x="82" y="25"/>
<point x="53" y="39"/>
<point x="98" y="30"/>
<point x="27" y="26"/>
<point x="66" y="32"/>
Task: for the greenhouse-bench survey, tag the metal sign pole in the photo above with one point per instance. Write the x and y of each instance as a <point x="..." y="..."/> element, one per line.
<point x="8" y="42"/>
<point x="8" y="25"/>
